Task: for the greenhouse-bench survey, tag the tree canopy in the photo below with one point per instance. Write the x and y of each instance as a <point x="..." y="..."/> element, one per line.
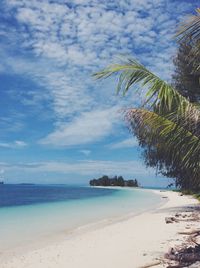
<point x="114" y="181"/>
<point x="186" y="75"/>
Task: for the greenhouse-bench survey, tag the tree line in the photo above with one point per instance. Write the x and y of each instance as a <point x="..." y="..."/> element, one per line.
<point x="115" y="181"/>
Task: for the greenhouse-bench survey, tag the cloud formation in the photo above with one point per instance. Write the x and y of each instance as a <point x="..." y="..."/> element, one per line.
<point x="85" y="152"/>
<point x="89" y="33"/>
<point x="127" y="143"/>
<point x="88" y="127"/>
<point x="69" y="40"/>
<point x="50" y="49"/>
<point x="13" y="145"/>
<point x="89" y="167"/>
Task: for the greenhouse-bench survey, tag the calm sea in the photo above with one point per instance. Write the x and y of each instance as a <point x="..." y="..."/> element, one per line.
<point x="29" y="213"/>
<point x="27" y="194"/>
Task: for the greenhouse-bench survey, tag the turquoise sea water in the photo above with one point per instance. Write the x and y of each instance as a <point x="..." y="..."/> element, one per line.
<point x="32" y="213"/>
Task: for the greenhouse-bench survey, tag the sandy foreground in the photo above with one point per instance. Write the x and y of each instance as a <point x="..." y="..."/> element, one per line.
<point x="131" y="243"/>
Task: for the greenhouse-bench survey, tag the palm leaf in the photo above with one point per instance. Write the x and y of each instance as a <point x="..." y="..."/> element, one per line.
<point x="181" y="145"/>
<point x="159" y="93"/>
<point x="191" y="28"/>
<point x="190" y="32"/>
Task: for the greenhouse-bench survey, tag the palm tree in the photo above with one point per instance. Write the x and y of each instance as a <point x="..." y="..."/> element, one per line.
<point x="190" y="32"/>
<point x="167" y="121"/>
<point x="190" y="28"/>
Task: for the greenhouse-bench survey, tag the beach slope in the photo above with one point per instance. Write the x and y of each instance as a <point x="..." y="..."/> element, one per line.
<point x="131" y="243"/>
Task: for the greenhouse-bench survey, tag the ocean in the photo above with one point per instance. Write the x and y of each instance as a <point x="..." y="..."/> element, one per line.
<point x="32" y="213"/>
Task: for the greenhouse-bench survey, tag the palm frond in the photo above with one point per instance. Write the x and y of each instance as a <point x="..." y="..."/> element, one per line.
<point x="182" y="146"/>
<point x="191" y="28"/>
<point x="190" y="32"/>
<point x="159" y="93"/>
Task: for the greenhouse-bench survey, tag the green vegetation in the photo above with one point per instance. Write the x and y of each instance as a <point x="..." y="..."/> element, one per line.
<point x="197" y="196"/>
<point x="189" y="192"/>
<point x="115" y="181"/>
<point x="190" y="32"/>
<point x="167" y="124"/>
<point x="186" y="75"/>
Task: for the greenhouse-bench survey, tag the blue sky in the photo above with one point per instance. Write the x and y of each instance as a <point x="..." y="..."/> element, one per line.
<point x="58" y="124"/>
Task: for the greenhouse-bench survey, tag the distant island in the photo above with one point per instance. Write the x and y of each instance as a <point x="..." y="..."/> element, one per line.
<point x="26" y="183"/>
<point x="115" y="181"/>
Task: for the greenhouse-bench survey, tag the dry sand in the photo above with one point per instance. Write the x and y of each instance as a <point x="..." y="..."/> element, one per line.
<point x="130" y="243"/>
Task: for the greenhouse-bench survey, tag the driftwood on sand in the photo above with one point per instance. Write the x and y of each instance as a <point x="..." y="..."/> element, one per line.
<point x="188" y="253"/>
<point x="192" y="232"/>
<point x="185" y="256"/>
<point x="179" y="218"/>
<point x="171" y="220"/>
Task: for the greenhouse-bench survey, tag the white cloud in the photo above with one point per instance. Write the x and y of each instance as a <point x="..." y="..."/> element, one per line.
<point x="15" y="145"/>
<point x="131" y="142"/>
<point x="89" y="167"/>
<point x="72" y="39"/>
<point x="78" y="35"/>
<point x="88" y="127"/>
<point x="20" y="143"/>
<point x="85" y="152"/>
<point x="68" y="96"/>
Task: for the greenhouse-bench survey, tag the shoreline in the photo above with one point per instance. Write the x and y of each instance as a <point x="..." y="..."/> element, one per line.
<point x="68" y="233"/>
<point x="130" y="242"/>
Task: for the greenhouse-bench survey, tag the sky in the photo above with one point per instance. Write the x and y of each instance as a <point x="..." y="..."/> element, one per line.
<point x="57" y="124"/>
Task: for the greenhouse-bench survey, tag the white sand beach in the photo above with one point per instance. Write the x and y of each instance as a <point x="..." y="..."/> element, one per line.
<point x="131" y="243"/>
